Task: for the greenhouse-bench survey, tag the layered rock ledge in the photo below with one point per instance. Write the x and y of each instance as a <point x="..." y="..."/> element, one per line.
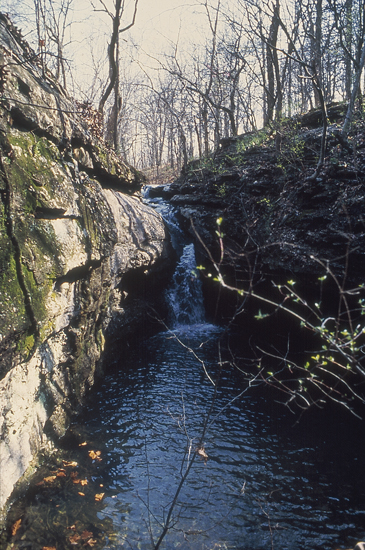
<point x="73" y="234"/>
<point x="272" y="210"/>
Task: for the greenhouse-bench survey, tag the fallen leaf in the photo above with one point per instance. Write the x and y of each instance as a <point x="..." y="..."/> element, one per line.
<point x="61" y="473"/>
<point x="49" y="479"/>
<point x="69" y="463"/>
<point x="99" y="496"/>
<point x="74" y="475"/>
<point x="81" y="494"/>
<point x="201" y="452"/>
<point x="91" y="542"/>
<point x="72" y="527"/>
<point x="82" y="444"/>
<point x="76" y="481"/>
<point x="83" y="481"/>
<point x="74" y="539"/>
<point x="15" y="527"/>
<point x="95" y="455"/>
<point x="86" y="534"/>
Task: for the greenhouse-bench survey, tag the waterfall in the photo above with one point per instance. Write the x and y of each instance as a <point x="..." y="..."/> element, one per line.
<point x="184" y="295"/>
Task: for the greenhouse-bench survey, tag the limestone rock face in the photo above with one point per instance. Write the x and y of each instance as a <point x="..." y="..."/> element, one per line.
<point x="71" y="229"/>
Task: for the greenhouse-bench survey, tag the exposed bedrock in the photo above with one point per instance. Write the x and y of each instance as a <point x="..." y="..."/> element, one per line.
<point x="73" y="235"/>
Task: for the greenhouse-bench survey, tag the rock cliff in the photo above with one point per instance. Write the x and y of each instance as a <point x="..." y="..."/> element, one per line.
<point x="72" y="230"/>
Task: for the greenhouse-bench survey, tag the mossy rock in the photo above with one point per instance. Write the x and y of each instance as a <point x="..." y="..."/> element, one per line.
<point x="114" y="171"/>
<point x="41" y="188"/>
<point x="13" y="317"/>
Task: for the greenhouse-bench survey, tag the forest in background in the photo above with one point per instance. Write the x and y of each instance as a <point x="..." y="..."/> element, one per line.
<point x="242" y="66"/>
<point x="334" y="371"/>
<point x="254" y="66"/>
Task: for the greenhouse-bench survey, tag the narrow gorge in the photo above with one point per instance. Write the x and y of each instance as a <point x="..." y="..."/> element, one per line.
<point x="182" y="363"/>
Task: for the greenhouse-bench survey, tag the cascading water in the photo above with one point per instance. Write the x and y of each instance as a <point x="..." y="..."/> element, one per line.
<point x="184" y="296"/>
<point x="168" y="213"/>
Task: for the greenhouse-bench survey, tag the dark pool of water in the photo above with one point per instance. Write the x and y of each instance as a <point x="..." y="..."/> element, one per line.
<point x="267" y="483"/>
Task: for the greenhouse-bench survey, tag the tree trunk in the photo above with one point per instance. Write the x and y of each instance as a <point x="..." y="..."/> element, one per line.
<point x="350" y="108"/>
<point x="348" y="43"/>
<point x="316" y="51"/>
<point x="270" y="94"/>
<point x="113" y="70"/>
<point x="113" y="51"/>
<point x="205" y="129"/>
<point x="273" y="76"/>
<point x="198" y="138"/>
<point x="116" y="102"/>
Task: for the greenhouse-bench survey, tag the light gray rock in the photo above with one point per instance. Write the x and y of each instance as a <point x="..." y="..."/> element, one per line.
<point x="67" y="240"/>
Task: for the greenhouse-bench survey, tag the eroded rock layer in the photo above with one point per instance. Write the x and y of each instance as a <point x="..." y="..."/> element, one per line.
<point x="71" y="229"/>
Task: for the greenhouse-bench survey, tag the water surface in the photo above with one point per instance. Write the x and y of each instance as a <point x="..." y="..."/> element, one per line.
<point x="266" y="483"/>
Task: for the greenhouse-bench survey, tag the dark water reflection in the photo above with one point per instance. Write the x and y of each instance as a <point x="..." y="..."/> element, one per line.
<point x="266" y="483"/>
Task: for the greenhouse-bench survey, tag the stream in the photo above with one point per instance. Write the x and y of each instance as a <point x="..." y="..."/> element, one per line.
<point x="260" y="480"/>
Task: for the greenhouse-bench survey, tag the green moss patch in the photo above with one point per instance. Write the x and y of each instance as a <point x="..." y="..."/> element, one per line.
<point x="33" y="175"/>
<point x="13" y="317"/>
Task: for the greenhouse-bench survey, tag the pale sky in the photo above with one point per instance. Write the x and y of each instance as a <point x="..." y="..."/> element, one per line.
<point x="159" y="23"/>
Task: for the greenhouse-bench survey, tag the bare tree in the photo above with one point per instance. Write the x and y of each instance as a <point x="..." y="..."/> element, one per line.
<point x="349" y="22"/>
<point x="355" y="89"/>
<point x="269" y="67"/>
<point x="274" y="93"/>
<point x="212" y="77"/>
<point x="53" y="21"/>
<point x="113" y="58"/>
<point x="57" y="35"/>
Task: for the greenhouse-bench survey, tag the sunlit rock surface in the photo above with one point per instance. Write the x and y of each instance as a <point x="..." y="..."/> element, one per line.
<point x="71" y="230"/>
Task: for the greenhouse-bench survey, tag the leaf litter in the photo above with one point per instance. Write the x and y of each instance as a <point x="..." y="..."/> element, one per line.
<point x="51" y="506"/>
